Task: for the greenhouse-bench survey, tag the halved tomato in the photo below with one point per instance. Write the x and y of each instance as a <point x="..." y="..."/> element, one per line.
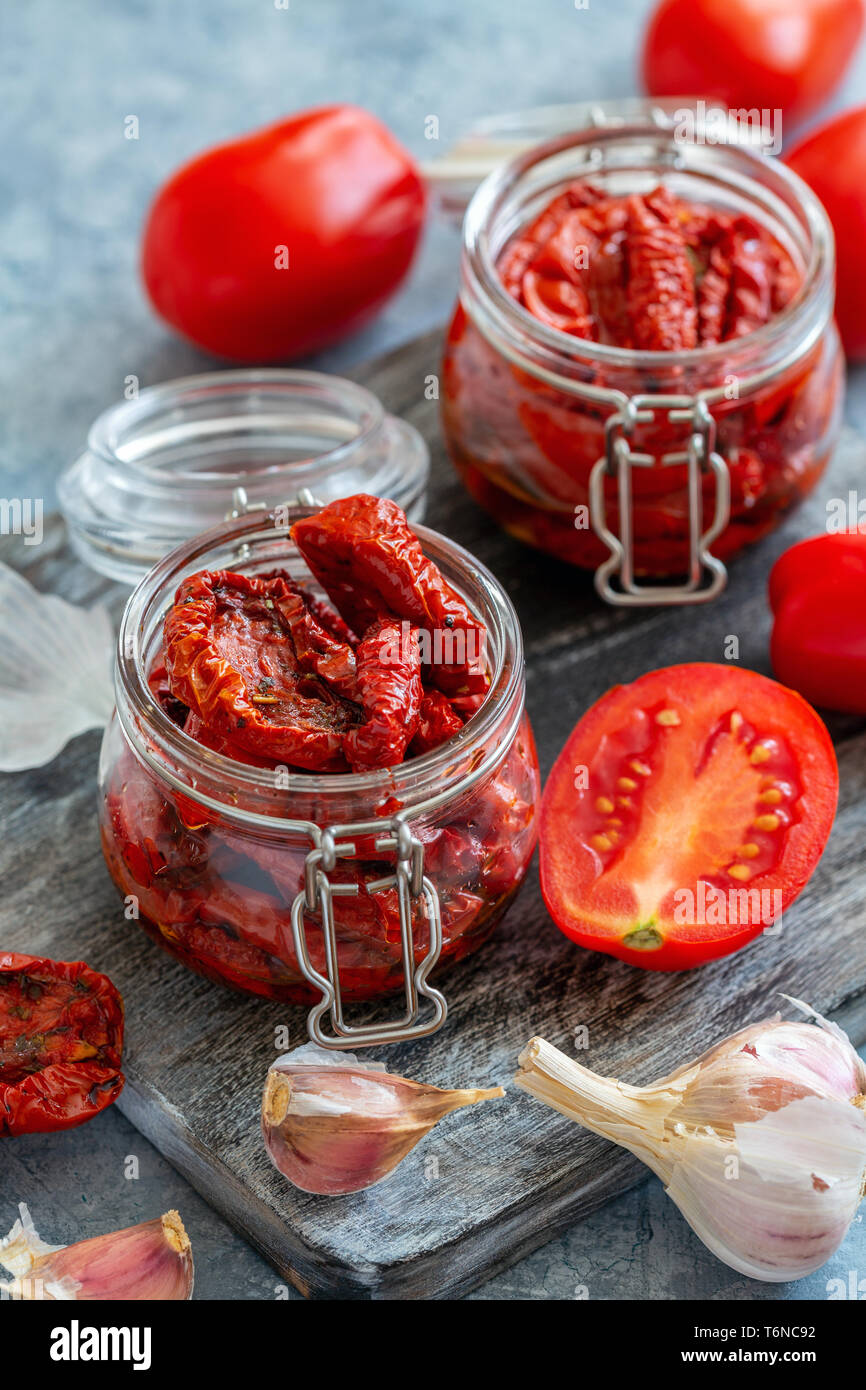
<point x="684" y="815"/>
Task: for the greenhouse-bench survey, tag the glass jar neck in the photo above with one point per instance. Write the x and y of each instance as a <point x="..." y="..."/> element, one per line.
<point x="280" y="798"/>
<point x="635" y="159"/>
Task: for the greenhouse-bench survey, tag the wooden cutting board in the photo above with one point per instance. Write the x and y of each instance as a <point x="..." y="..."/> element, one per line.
<point x="491" y="1183"/>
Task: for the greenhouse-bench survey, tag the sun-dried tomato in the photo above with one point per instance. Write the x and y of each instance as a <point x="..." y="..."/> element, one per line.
<point x="314" y="629"/>
<point x="714" y="292"/>
<point x="329" y="619"/>
<point x="751" y="300"/>
<point x="661" y="282"/>
<point x="465" y="706"/>
<point x="558" y="303"/>
<point x="437" y="721"/>
<point x="194" y="727"/>
<point x="555" y="288"/>
<point x="61" y="1037"/>
<point x="650" y="271"/>
<point x="389" y="691"/>
<point x="371" y="565"/>
<point x="520" y="254"/>
<point x="261" y="670"/>
<point x="246" y="660"/>
<point x="316" y="649"/>
<point x="161" y="692"/>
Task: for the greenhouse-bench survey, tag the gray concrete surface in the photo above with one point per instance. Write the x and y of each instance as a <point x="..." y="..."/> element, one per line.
<point x="74" y="323"/>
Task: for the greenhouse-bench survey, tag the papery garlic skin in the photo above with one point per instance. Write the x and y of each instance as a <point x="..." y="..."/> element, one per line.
<point x="333" y="1124"/>
<point x="761" y="1142"/>
<point x="801" y="1171"/>
<point x="149" y="1262"/>
<point x="55" y="672"/>
<point x="22" y="1252"/>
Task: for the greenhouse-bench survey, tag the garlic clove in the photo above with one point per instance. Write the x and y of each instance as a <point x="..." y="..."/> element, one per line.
<point x="333" y="1124"/>
<point x="761" y="1142"/>
<point x="152" y="1261"/>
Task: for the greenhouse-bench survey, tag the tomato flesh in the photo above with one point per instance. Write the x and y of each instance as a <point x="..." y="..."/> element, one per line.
<point x="684" y="815"/>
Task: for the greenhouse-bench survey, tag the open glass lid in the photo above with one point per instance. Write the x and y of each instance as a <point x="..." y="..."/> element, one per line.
<point x="182" y="456"/>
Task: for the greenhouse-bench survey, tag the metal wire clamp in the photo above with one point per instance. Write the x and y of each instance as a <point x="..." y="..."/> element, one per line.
<point x="706" y="575"/>
<point x="338" y="842"/>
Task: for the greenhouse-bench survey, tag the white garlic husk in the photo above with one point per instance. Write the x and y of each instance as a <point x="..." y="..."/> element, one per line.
<point x="149" y="1262"/>
<point x="761" y="1142"/>
<point x="55" y="672"/>
<point x="333" y="1124"/>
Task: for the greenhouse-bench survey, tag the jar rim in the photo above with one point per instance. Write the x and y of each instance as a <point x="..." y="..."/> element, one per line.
<point x="409" y="781"/>
<point x="490" y="199"/>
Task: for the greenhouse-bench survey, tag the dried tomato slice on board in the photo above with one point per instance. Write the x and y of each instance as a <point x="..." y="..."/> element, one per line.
<point x="246" y="656"/>
<point x="685" y="814"/>
<point x="371" y="565"/>
<point x="61" y="1037"/>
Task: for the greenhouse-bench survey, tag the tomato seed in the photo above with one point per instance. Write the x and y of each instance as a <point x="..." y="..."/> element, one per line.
<point x="667" y="717"/>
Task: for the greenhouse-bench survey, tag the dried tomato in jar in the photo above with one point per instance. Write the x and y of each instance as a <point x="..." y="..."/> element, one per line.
<point x="61" y="1038"/>
<point x="341" y="675"/>
<point x="654" y="291"/>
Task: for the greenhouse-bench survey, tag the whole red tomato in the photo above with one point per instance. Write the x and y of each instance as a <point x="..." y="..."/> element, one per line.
<point x="833" y="162"/>
<point x="818" y="597"/>
<point x="775" y="54"/>
<point x="285" y="240"/>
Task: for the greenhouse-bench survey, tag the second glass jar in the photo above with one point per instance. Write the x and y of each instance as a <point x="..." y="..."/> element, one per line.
<point x="525" y="407"/>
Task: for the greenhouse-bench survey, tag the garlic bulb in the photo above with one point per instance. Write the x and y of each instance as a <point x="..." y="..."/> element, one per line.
<point x="333" y="1124"/>
<point x="152" y="1261"/>
<point x="761" y="1142"/>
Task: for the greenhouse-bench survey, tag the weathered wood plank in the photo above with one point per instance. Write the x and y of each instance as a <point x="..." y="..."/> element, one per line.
<point x="488" y="1185"/>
